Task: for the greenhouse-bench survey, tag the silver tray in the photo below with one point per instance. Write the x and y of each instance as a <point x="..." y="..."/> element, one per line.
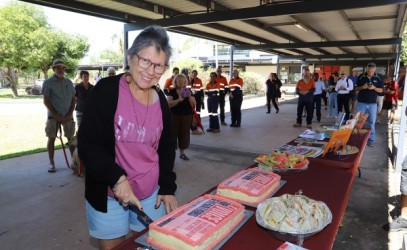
<point x="248" y="213"/>
<point x="281" y="170"/>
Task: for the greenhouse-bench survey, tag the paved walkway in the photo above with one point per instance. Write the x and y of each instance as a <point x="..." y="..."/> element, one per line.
<point x="46" y="211"/>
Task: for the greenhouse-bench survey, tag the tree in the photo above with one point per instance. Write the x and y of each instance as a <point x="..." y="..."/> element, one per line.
<point x="27" y="42"/>
<point x="403" y="56"/>
<point x="115" y="54"/>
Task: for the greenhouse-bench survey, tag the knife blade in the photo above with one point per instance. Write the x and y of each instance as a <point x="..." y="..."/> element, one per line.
<point x="143" y="217"/>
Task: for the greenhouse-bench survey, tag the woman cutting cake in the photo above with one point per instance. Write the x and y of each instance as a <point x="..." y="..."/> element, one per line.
<point x="126" y="143"/>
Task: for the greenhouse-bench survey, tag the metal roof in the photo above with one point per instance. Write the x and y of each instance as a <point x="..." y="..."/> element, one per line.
<point x="351" y="31"/>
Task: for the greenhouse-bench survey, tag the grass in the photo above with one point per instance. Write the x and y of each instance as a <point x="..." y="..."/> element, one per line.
<point x="6" y="95"/>
<point x="27" y="152"/>
<point x="22" y="126"/>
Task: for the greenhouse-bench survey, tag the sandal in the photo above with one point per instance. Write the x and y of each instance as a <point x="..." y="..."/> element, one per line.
<point x="52" y="169"/>
<point x="184" y="157"/>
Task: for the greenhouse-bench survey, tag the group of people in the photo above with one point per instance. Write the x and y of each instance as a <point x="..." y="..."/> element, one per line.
<point x="368" y="93"/>
<point x="129" y="130"/>
<point x="126" y="134"/>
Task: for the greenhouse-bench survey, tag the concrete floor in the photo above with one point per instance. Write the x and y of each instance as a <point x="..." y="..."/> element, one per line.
<point x="39" y="210"/>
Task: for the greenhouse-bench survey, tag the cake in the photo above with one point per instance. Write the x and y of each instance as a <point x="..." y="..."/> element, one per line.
<point x="250" y="186"/>
<point x="200" y="224"/>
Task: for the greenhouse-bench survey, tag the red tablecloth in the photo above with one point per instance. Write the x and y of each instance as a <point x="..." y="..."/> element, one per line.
<point x="325" y="180"/>
<point x="350" y="162"/>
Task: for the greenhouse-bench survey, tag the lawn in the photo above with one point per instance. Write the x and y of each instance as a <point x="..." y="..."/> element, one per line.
<point x="22" y="124"/>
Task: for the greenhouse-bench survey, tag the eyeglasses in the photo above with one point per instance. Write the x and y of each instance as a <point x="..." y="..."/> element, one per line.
<point x="342" y="74"/>
<point x="144" y="63"/>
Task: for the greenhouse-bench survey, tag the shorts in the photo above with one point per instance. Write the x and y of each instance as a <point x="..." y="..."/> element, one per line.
<point x="51" y="129"/>
<point x="403" y="183"/>
<point x="118" y="219"/>
<point x="388" y="105"/>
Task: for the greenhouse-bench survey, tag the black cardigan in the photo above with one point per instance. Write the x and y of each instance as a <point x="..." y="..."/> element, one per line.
<point x="96" y="144"/>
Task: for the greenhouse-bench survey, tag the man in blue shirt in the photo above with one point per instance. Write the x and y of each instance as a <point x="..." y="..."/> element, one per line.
<point x="368" y="85"/>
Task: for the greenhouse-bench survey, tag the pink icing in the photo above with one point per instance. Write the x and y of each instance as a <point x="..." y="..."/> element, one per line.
<point x="195" y="222"/>
<point x="253" y="182"/>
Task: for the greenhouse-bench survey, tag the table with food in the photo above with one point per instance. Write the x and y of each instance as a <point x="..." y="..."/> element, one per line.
<point x="305" y="203"/>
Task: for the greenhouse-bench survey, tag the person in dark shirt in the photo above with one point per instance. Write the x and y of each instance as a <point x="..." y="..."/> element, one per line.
<point x="368" y="85"/>
<point x="180" y="100"/>
<point x="82" y="91"/>
<point x="273" y="92"/>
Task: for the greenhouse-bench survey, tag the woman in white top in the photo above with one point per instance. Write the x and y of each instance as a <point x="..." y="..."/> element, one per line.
<point x="344" y="86"/>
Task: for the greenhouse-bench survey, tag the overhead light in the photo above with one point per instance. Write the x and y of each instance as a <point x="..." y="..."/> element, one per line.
<point x="301" y="26"/>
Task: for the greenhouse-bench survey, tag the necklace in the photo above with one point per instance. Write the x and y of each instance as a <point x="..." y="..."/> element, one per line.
<point x="140" y="129"/>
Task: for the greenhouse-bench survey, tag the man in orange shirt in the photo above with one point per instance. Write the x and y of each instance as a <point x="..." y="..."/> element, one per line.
<point x="168" y="83"/>
<point x="224" y="89"/>
<point x="305" y="89"/>
<point x="236" y="99"/>
<point x="212" y="91"/>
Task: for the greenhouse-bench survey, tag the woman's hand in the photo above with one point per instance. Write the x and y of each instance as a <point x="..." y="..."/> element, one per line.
<point x="170" y="202"/>
<point x="123" y="192"/>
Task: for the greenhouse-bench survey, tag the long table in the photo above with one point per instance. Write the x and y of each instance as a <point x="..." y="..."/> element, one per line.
<point x="320" y="181"/>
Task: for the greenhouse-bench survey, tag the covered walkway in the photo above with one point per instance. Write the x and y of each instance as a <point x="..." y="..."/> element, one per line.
<point x="46" y="211"/>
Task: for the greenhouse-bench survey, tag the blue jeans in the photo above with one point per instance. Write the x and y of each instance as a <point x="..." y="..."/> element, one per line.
<point x="333" y="104"/>
<point x="371" y="109"/>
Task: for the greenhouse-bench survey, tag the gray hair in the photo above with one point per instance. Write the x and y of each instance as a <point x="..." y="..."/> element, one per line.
<point x="151" y="36"/>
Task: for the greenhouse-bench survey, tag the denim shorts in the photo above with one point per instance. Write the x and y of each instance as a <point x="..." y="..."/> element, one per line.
<point x="403" y="183"/>
<point x="118" y="219"/>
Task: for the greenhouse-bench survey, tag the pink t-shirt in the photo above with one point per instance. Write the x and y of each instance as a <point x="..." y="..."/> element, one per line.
<point x="137" y="141"/>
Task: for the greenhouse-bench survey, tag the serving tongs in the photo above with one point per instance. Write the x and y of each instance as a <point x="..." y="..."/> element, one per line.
<point x="143" y="217"/>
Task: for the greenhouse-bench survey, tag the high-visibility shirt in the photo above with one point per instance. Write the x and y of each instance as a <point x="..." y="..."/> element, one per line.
<point x="302" y="86"/>
<point x="224" y="87"/>
<point x="196" y="85"/>
<point x="212" y="89"/>
<point x="168" y="83"/>
<point x="235" y="85"/>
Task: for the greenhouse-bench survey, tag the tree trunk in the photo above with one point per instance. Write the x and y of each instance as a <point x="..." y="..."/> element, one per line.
<point x="13" y="81"/>
<point x="10" y="76"/>
<point x="45" y="72"/>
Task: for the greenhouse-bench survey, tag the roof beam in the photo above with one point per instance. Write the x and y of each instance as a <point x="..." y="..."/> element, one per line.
<point x="310" y="6"/>
<point x="341" y="56"/>
<point x="347" y="43"/>
<point x="88" y="9"/>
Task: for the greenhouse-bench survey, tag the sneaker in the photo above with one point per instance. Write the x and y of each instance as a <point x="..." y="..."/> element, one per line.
<point x="232" y="125"/>
<point x="398" y="224"/>
<point x="309" y="126"/>
<point x="296" y="125"/>
<point x="223" y="123"/>
<point x="370" y="143"/>
<point x="216" y="130"/>
<point x="51" y="169"/>
<point x="237" y="126"/>
<point x="268" y="112"/>
<point x="209" y="130"/>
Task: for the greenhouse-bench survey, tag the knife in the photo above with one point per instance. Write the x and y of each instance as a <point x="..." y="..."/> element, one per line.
<point x="143" y="217"/>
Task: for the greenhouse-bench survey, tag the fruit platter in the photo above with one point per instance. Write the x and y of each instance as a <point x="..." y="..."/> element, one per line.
<point x="293" y="217"/>
<point x="282" y="162"/>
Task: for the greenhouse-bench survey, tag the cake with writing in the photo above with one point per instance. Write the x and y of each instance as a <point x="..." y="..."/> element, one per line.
<point x="200" y="224"/>
<point x="250" y="186"/>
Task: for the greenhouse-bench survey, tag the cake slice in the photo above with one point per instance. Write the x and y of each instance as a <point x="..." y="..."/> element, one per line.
<point x="250" y="186"/>
<point x="200" y="224"/>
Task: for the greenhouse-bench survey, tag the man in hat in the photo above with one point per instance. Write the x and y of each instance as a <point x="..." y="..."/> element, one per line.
<point x="368" y="85"/>
<point x="59" y="98"/>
